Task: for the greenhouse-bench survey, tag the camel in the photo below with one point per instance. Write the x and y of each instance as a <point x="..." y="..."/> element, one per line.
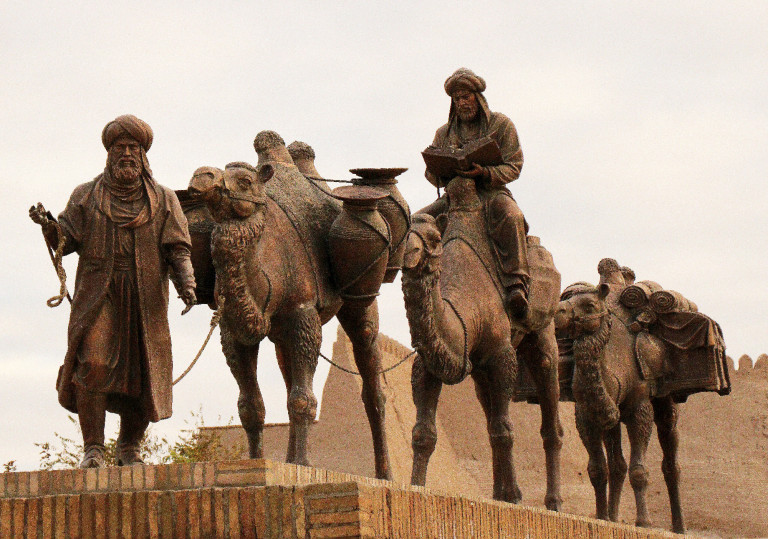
<point x="269" y="248"/>
<point x="608" y="389"/>
<point x="460" y="328"/>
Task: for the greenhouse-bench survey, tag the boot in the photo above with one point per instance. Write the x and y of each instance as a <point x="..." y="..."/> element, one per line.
<point x="91" y="411"/>
<point x="93" y="457"/>
<point x="132" y="427"/>
<point x="128" y="455"/>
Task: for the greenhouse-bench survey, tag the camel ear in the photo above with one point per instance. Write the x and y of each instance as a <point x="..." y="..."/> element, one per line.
<point x="602" y="290"/>
<point x="265" y="173"/>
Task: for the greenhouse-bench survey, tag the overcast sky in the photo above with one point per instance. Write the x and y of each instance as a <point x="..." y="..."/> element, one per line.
<point x="644" y="128"/>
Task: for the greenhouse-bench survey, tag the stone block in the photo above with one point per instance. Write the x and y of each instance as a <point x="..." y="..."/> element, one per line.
<point x="87" y="514"/>
<point x="113" y="512"/>
<point x="78" y="481"/>
<point x="140" y="517"/>
<point x="137" y="477"/>
<point x="247" y="510"/>
<point x="126" y="514"/>
<point x="153" y="524"/>
<point x="181" y="502"/>
<point x="166" y="512"/>
<point x="18" y="509"/>
<point x="193" y="513"/>
<point x="206" y="513"/>
<point x="34" y="483"/>
<point x="12" y="484"/>
<point x="33" y="518"/>
<point x="102" y="478"/>
<point x="149" y="477"/>
<point x="91" y="479"/>
<point x="126" y="481"/>
<point x="100" y="517"/>
<point x="232" y="511"/>
<point x="219" y="513"/>
<point x="60" y="516"/>
<point x="198" y="469"/>
<point x="47" y="517"/>
<point x="73" y="516"/>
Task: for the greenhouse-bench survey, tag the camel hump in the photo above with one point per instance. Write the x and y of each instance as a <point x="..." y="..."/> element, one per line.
<point x="311" y="211"/>
<point x="544" y="293"/>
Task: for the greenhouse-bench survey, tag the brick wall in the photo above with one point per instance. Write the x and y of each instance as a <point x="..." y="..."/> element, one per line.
<point x="262" y="498"/>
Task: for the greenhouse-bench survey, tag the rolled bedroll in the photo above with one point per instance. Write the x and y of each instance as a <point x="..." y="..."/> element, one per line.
<point x="667" y="301"/>
<point x="639" y="294"/>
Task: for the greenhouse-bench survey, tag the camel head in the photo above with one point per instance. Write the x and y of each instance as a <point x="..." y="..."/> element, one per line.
<point x="423" y="245"/>
<point x="581" y="310"/>
<point x="462" y="192"/>
<point x="235" y="193"/>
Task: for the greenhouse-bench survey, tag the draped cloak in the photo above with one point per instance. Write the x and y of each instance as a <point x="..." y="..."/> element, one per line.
<point x="91" y="232"/>
<point x="498" y="126"/>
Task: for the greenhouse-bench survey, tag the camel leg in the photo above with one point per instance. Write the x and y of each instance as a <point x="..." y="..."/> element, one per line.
<point x="617" y="470"/>
<point x="639" y="427"/>
<point x="592" y="438"/>
<point x="665" y="413"/>
<point x="495" y="404"/>
<point x="425" y="389"/>
<point x="299" y="341"/>
<point x="362" y="327"/>
<point x="242" y="361"/>
<point x="285" y="370"/>
<point x="540" y="353"/>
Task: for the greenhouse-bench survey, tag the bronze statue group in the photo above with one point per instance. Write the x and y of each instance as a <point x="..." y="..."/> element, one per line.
<point x="278" y="254"/>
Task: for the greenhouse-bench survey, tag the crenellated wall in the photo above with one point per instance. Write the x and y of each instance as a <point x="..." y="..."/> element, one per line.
<point x="748" y="366"/>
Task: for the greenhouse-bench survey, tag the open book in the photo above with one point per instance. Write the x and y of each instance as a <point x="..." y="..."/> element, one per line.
<point x="445" y="162"/>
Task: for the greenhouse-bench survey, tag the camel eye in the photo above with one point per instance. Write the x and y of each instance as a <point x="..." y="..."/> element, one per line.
<point x="244" y="182"/>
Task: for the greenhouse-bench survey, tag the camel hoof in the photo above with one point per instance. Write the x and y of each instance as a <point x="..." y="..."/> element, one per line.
<point x="513" y="495"/>
<point x="553" y="503"/>
<point x="644" y="523"/>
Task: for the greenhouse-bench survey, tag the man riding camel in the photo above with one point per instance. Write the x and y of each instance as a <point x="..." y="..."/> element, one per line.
<point x="470" y="119"/>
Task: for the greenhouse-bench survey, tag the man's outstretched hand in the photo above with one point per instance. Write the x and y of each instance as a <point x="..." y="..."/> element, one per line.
<point x="39" y="214"/>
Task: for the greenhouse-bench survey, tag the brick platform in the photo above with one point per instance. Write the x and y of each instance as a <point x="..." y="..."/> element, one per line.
<point x="262" y="498"/>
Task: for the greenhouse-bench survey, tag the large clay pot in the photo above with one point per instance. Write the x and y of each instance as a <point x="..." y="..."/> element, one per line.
<point x="200" y="224"/>
<point x="359" y="242"/>
<point x="393" y="208"/>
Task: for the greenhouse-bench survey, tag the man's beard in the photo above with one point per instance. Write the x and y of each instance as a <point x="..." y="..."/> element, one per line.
<point x="467" y="115"/>
<point x="125" y="173"/>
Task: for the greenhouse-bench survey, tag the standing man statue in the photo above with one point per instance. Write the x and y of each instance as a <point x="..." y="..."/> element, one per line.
<point x="471" y="119"/>
<point x="128" y="230"/>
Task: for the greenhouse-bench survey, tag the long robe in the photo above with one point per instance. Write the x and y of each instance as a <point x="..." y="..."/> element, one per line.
<point x="92" y="234"/>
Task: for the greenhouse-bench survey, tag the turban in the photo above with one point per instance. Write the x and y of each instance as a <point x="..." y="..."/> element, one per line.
<point x="464" y="79"/>
<point x="130" y="125"/>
